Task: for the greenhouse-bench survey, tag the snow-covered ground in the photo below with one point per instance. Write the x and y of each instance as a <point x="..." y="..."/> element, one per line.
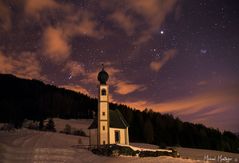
<point x="35" y="146"/>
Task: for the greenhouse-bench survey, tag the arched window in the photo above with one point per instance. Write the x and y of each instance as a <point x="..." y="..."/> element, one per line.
<point x="103" y="92"/>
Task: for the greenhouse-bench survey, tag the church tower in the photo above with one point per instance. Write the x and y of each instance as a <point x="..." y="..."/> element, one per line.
<point x="103" y="109"/>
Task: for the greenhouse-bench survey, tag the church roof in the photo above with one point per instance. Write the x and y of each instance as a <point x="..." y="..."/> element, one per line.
<point x="116" y="120"/>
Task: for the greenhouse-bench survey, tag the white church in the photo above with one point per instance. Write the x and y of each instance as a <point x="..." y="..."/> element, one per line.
<point x="109" y="127"/>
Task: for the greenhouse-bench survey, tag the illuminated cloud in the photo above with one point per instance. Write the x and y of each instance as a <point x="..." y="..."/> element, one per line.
<point x="91" y="77"/>
<point x="24" y="65"/>
<point x="74" y="68"/>
<point x="142" y="18"/>
<point x="155" y="12"/>
<point x="57" y="40"/>
<point x="124" y="21"/>
<point x="5" y="17"/>
<point x="203" y="82"/>
<point x="34" y="7"/>
<point x="55" y="45"/>
<point x="121" y="87"/>
<point x="83" y="23"/>
<point x="189" y="105"/>
<point x="157" y="65"/>
<point x="204" y="108"/>
<point x="76" y="88"/>
<point x="124" y="88"/>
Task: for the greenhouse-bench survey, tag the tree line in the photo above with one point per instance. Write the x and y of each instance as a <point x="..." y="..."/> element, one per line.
<point x="32" y="99"/>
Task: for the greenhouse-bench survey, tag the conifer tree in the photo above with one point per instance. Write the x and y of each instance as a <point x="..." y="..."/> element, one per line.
<point x="50" y="126"/>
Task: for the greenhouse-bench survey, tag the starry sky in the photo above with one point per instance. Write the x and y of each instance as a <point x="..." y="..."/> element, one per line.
<point x="171" y="56"/>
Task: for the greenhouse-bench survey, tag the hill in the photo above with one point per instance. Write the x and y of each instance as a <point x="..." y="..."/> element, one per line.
<point x="32" y="99"/>
<point x="25" y="145"/>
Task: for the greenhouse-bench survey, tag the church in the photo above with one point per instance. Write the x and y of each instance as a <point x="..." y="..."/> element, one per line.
<point x="109" y="127"/>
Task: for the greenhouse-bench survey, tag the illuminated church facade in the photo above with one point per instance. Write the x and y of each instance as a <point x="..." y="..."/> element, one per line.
<point x="109" y="127"/>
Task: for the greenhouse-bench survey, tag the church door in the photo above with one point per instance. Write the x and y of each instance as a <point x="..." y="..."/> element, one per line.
<point x="117" y="136"/>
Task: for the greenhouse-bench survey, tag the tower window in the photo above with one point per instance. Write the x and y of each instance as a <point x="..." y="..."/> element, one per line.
<point x="103" y="92"/>
<point x="103" y="127"/>
<point x="103" y="113"/>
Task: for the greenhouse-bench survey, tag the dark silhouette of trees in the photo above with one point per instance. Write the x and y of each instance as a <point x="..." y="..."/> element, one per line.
<point x="50" y="126"/>
<point x="170" y="131"/>
<point x="148" y="132"/>
<point x="31" y="99"/>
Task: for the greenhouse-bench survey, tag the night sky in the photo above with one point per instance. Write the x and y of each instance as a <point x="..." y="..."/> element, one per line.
<point x="178" y="57"/>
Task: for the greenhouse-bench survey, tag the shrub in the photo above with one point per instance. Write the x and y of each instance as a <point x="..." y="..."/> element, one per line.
<point x="33" y="125"/>
<point x="41" y="125"/>
<point x="72" y="131"/>
<point x="153" y="153"/>
<point x="67" y="129"/>
<point x="114" y="150"/>
<point x="7" y="127"/>
<point x="50" y="126"/>
<point x="79" y="133"/>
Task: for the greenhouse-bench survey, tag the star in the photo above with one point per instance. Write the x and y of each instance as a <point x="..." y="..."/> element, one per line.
<point x="161" y="32"/>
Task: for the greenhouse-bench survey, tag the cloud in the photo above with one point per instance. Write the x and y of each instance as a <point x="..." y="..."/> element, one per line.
<point x="57" y="40"/>
<point x="5" y="17"/>
<point x="120" y="86"/>
<point x="157" y="65"/>
<point x="142" y="18"/>
<point x="55" y="45"/>
<point x="34" y="7"/>
<point x="24" y="65"/>
<point x="190" y="105"/>
<point x="202" y="83"/>
<point x="91" y="77"/>
<point x="81" y="23"/>
<point x="124" y="88"/>
<point x="155" y="12"/>
<point x="76" y="88"/>
<point x="124" y="21"/>
<point x="86" y="26"/>
<point x="74" y="68"/>
<point x="205" y="108"/>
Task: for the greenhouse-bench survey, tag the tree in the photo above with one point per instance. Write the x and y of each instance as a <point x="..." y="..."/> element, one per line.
<point x="148" y="132"/>
<point x="50" y="126"/>
<point x="41" y="125"/>
<point x="67" y="129"/>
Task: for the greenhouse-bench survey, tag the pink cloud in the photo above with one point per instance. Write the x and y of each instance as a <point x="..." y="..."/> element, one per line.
<point x="5" y="17"/>
<point x="74" y="68"/>
<point x="157" y="65"/>
<point x="124" y="88"/>
<point x="55" y="45"/>
<point x="24" y="65"/>
<point x="76" y="88"/>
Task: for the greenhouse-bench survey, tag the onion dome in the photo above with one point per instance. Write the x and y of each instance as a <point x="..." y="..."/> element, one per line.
<point x="103" y="76"/>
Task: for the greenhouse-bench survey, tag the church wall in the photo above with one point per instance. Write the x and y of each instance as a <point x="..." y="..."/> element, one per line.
<point x="123" y="139"/>
<point x="93" y="136"/>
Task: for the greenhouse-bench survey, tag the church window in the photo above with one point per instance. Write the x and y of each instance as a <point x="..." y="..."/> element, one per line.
<point x="117" y="136"/>
<point x="103" y="92"/>
<point x="103" y="127"/>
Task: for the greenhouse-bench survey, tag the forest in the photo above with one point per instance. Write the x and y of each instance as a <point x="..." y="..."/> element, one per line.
<point x="32" y="99"/>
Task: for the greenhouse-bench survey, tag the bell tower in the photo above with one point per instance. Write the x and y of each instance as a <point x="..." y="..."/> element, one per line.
<point x="103" y="108"/>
